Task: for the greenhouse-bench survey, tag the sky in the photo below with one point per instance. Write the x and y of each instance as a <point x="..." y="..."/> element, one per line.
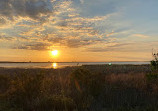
<point x="81" y="30"/>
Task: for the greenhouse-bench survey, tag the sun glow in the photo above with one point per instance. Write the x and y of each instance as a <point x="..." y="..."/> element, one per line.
<point x="54" y="52"/>
<point x="54" y="65"/>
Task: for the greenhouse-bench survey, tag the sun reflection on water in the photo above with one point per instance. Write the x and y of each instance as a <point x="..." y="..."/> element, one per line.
<point x="54" y="65"/>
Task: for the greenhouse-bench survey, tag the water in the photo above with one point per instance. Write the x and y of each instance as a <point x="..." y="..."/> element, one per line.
<point x="61" y="65"/>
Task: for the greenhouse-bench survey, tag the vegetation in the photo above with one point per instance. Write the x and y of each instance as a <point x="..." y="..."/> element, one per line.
<point x="153" y="75"/>
<point x="154" y="63"/>
<point x="86" y="88"/>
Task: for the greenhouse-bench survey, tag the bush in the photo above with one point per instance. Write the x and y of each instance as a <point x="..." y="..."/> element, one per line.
<point x="153" y="76"/>
<point x="154" y="63"/>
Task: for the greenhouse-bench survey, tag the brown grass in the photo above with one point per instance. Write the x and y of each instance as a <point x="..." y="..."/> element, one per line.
<point x="93" y="88"/>
<point x="127" y="80"/>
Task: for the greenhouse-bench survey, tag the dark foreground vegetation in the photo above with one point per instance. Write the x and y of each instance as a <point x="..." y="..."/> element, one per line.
<point x="85" y="88"/>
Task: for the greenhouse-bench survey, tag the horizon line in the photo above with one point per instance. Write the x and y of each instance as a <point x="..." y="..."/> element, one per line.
<point x="67" y="62"/>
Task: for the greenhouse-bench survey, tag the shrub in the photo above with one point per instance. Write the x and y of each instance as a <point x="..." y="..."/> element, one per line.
<point x="153" y="76"/>
<point x="154" y="63"/>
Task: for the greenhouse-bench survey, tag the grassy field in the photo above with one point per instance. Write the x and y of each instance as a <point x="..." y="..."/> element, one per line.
<point x="85" y="88"/>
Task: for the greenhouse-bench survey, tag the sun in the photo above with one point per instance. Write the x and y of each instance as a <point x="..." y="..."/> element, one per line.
<point x="54" y="52"/>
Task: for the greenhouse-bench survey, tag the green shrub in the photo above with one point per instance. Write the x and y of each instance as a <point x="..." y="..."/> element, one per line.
<point x="153" y="76"/>
<point x="154" y="63"/>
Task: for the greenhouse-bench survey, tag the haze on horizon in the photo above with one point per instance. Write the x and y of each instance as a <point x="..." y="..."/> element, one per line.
<point x="81" y="30"/>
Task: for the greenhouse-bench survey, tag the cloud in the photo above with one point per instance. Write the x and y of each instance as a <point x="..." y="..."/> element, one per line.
<point x="2" y="21"/>
<point x="110" y="34"/>
<point x="82" y="1"/>
<point x="25" y="8"/>
<point x="3" y="38"/>
<point x="33" y="46"/>
<point x="109" y="47"/>
<point x="125" y="47"/>
<point x="140" y="36"/>
<point x="52" y="22"/>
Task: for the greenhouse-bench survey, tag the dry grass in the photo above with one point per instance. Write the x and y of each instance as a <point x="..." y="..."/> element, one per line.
<point x="127" y="80"/>
<point x="93" y="88"/>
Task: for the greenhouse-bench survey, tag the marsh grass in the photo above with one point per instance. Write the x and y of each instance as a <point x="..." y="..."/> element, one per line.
<point x="86" y="88"/>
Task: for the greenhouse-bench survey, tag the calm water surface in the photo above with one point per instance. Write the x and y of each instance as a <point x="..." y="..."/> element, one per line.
<point x="61" y="65"/>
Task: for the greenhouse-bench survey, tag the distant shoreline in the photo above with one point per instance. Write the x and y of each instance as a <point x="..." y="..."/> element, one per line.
<point x="75" y="62"/>
<point x="56" y="65"/>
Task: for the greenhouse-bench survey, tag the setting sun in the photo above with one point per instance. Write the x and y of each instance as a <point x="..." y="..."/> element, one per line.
<point x="54" y="52"/>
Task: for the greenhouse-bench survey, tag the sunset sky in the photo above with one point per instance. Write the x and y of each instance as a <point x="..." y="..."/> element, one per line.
<point x="81" y="30"/>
